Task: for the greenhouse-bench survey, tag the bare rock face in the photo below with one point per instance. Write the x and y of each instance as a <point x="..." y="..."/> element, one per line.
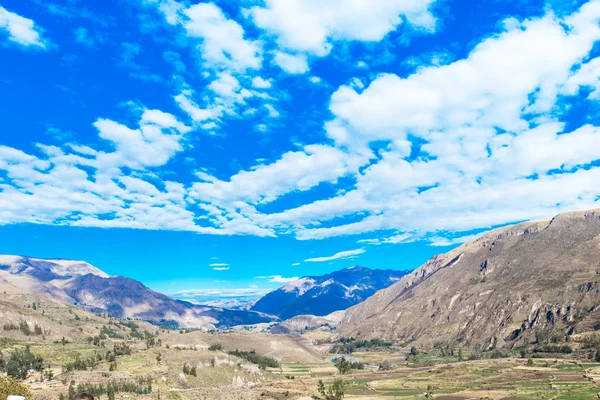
<point x="496" y="291"/>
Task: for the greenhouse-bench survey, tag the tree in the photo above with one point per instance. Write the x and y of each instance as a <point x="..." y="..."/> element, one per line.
<point x="413" y="351"/>
<point x="48" y="375"/>
<point x="342" y="365"/>
<point x="460" y="354"/>
<point x="334" y="392"/>
<point x="25" y="328"/>
<point x="158" y="357"/>
<point x="21" y="361"/>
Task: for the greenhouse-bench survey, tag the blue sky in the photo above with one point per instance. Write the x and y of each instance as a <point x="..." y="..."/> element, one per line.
<point x="235" y="145"/>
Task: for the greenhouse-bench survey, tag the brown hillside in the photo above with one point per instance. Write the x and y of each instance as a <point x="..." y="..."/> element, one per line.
<point x="497" y="290"/>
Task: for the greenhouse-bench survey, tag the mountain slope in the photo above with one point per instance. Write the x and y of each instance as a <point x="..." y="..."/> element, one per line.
<point x="80" y="283"/>
<point x="495" y="291"/>
<point x="322" y="295"/>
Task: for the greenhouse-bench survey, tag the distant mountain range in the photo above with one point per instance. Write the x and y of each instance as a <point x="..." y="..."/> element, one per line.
<point x="80" y="283"/>
<point x="499" y="290"/>
<point x="322" y="295"/>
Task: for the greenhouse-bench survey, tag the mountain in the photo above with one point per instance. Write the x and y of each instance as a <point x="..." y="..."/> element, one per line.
<point x="302" y="323"/>
<point x="80" y="283"/>
<point x="322" y="295"/>
<point x="496" y="291"/>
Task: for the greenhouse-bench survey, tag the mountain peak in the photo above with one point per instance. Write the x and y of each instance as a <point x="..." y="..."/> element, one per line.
<point x="324" y="294"/>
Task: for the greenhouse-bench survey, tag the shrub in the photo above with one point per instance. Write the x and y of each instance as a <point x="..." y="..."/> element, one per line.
<point x="385" y="366"/>
<point x="10" y="386"/>
<point x="552" y="348"/>
<point x="348" y="346"/>
<point x="262" y="361"/>
<point x="24" y="328"/>
<point x="216" y="347"/>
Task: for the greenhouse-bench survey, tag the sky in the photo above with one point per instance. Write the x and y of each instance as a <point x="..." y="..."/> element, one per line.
<point x="227" y="147"/>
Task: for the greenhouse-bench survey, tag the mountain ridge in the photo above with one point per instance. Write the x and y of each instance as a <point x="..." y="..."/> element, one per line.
<point x="80" y="283"/>
<point x="321" y="295"/>
<point x="497" y="290"/>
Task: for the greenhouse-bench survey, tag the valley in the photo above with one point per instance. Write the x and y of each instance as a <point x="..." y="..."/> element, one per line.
<point x="510" y="315"/>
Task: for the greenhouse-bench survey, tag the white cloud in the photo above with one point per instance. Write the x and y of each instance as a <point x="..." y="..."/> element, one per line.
<point x="442" y="241"/>
<point x="313" y="26"/>
<point x="219" y="265"/>
<point x="294" y="171"/>
<point x="221" y="268"/>
<point x="220" y="293"/>
<point x="461" y="145"/>
<point x="337" y="256"/>
<point x="489" y="89"/>
<point x="278" y="278"/>
<point x="21" y="30"/>
<point x="468" y="175"/>
<point x="260" y="83"/>
<point x="223" y="43"/>
<point x="295" y="264"/>
<point x="157" y="139"/>
<point x="291" y="63"/>
<point x="395" y="239"/>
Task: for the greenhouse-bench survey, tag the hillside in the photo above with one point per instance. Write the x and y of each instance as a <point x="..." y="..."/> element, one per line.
<point x="82" y="284"/>
<point x="322" y="295"/>
<point x="496" y="291"/>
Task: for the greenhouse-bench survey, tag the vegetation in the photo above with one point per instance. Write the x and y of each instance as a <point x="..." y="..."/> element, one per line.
<point x="215" y="347"/>
<point x="140" y="386"/>
<point x="262" y="361"/>
<point x="552" y="348"/>
<point x="189" y="370"/>
<point x="348" y="346"/>
<point x="344" y="366"/>
<point x="11" y="386"/>
<point x="335" y="391"/>
<point x="21" y="361"/>
<point x="384" y="366"/>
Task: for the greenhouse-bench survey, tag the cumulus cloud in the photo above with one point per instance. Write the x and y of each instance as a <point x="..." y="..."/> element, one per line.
<point x="291" y="63"/>
<point x="313" y="27"/>
<point x="453" y="146"/>
<point x="222" y="39"/>
<point x="20" y="30"/>
<point x="337" y="256"/>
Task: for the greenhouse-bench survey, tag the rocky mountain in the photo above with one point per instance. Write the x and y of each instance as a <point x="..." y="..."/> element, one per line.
<point x="80" y="283"/>
<point x="322" y="295"/>
<point x="496" y="291"/>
